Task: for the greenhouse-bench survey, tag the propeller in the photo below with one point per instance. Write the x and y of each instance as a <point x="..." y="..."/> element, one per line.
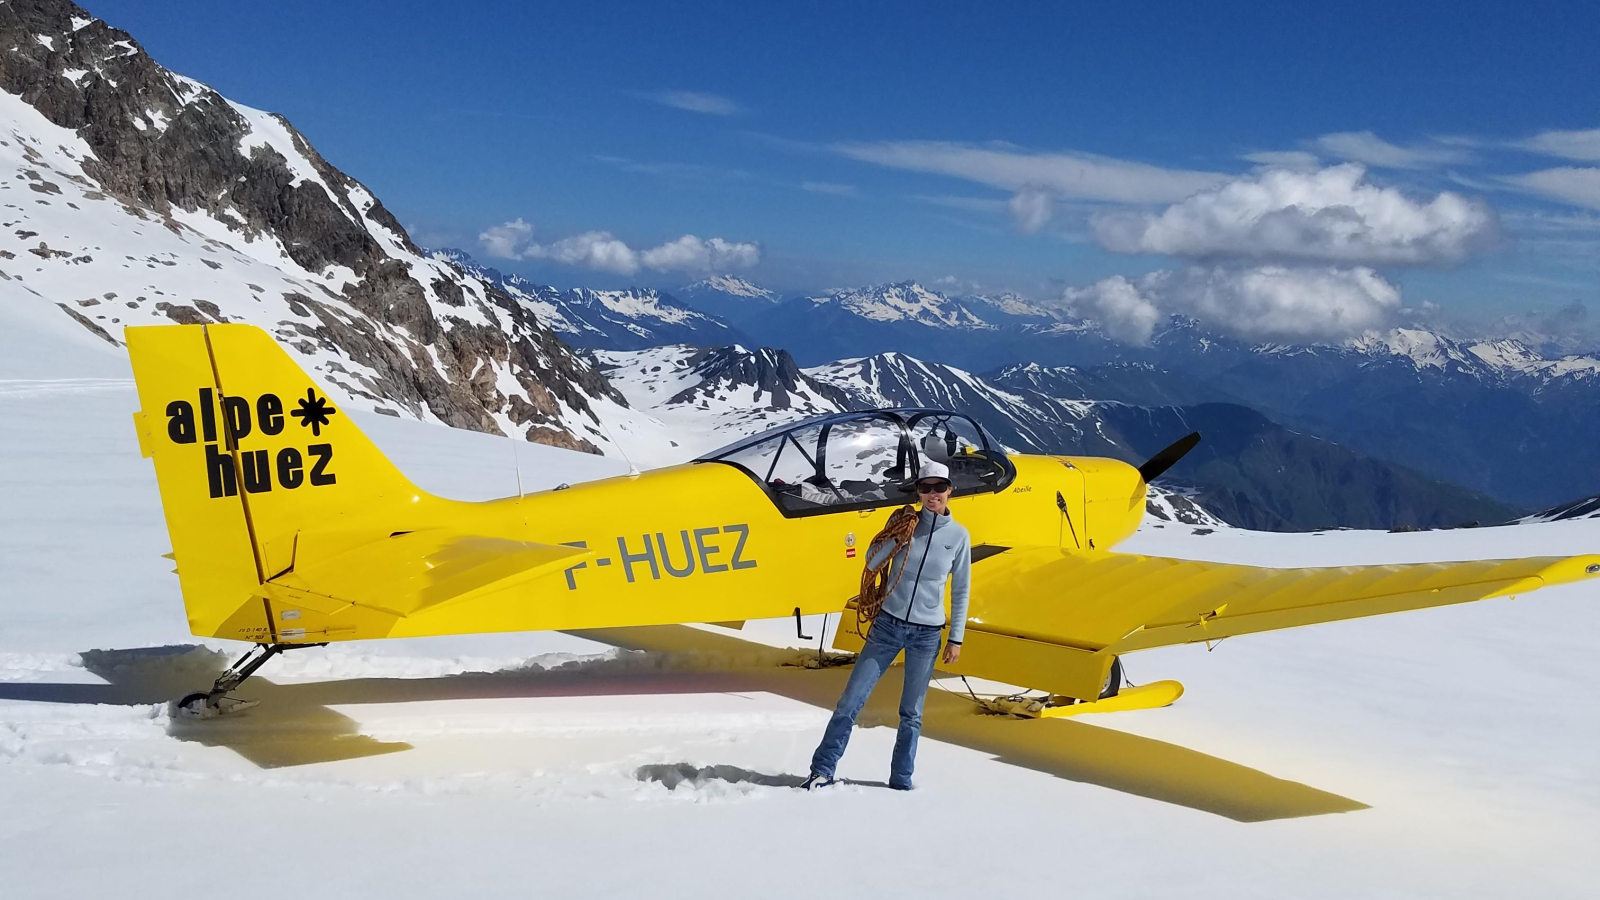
<point x="1166" y="459"/>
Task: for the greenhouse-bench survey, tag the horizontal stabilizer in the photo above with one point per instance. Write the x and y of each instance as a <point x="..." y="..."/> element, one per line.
<point x="412" y="572"/>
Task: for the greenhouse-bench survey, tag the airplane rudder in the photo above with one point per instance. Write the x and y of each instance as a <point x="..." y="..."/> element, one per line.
<point x="217" y="566"/>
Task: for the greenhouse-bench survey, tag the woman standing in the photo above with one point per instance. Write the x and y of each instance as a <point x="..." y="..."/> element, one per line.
<point x="911" y="619"/>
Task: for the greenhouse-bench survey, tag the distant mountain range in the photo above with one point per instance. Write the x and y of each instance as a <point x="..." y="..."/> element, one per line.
<point x="1249" y="471"/>
<point x="1495" y="416"/>
<point x="606" y="320"/>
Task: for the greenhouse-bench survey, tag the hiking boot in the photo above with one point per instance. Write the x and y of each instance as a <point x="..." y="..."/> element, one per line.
<point x="815" y="780"/>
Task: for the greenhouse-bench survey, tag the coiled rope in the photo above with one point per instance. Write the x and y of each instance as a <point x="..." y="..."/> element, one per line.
<point x="875" y="580"/>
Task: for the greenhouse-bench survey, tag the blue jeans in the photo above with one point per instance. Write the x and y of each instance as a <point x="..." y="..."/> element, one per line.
<point x="887" y="637"/>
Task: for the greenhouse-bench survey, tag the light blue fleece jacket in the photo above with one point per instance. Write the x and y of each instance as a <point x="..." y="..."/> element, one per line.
<point x="940" y="548"/>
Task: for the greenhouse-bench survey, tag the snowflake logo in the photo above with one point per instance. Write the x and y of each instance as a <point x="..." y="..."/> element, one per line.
<point x="313" y="412"/>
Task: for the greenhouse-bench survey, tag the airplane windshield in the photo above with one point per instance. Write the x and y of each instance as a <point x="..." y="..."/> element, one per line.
<point x="862" y="460"/>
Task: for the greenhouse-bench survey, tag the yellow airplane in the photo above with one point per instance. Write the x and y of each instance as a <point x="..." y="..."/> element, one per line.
<point x="291" y="529"/>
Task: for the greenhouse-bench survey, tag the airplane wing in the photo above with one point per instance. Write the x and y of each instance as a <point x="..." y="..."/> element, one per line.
<point x="1054" y="621"/>
<point x="1120" y="602"/>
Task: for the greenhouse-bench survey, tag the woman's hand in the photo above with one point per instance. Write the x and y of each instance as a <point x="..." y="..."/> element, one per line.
<point x="952" y="652"/>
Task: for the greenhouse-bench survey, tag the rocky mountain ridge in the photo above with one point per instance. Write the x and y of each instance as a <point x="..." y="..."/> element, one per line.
<point x="136" y="195"/>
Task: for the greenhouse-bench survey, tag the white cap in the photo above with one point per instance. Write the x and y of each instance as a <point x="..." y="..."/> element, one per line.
<point x="931" y="469"/>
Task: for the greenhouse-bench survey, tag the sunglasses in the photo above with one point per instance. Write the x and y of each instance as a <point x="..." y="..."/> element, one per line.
<point x="932" y="487"/>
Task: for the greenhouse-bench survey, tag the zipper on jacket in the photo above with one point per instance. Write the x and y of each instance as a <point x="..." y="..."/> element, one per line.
<point x="917" y="582"/>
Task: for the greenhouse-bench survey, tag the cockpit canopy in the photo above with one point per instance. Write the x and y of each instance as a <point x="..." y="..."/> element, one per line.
<point x="859" y="460"/>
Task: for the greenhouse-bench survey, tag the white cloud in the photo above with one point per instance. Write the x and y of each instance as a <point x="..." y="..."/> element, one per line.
<point x="604" y="252"/>
<point x="829" y="187"/>
<point x="1070" y="175"/>
<point x="1583" y="145"/>
<point x="1285" y="159"/>
<point x="1121" y="308"/>
<point x="503" y="241"/>
<point x="596" y="250"/>
<point x="691" y="254"/>
<point x="1274" y="303"/>
<point x="1032" y="207"/>
<point x="696" y="101"/>
<point x="1332" y="215"/>
<point x="1579" y="186"/>
<point x="1366" y="147"/>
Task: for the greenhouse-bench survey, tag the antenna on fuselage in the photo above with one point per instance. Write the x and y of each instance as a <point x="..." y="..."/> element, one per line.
<point x="516" y="464"/>
<point x="632" y="469"/>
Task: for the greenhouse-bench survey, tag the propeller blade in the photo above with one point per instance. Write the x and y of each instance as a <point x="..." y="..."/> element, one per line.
<point x="1166" y="459"/>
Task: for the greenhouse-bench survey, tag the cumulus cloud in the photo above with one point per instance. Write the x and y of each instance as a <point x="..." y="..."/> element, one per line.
<point x="696" y="101"/>
<point x="1068" y="174"/>
<point x="1271" y="303"/>
<point x="1577" y="185"/>
<point x="604" y="252"/>
<point x="505" y="240"/>
<point x="1331" y="215"/>
<point x="1366" y="147"/>
<point x="596" y="250"/>
<point x="1125" y="311"/>
<point x="691" y="254"/>
<point x="1582" y="145"/>
<point x="1032" y="207"/>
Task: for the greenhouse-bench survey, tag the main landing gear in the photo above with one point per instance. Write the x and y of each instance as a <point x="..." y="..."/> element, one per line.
<point x="215" y="702"/>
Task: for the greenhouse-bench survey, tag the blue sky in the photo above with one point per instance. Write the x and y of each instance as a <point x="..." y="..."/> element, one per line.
<point x="1013" y="146"/>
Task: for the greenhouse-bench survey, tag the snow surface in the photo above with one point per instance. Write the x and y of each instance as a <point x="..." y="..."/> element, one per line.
<point x="1444" y="753"/>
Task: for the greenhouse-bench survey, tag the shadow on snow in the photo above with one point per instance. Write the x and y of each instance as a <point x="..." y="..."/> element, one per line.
<point x="295" y="724"/>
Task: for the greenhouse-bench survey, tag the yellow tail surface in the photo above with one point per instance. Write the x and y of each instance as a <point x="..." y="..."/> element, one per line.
<point x="249" y="453"/>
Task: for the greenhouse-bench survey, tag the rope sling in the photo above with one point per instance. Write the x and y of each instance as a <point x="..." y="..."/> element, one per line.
<point x="876" y="583"/>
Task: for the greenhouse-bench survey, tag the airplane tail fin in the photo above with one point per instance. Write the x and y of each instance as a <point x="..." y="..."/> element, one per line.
<point x="249" y="453"/>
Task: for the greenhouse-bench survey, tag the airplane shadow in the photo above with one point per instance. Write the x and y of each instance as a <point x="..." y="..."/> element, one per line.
<point x="294" y="725"/>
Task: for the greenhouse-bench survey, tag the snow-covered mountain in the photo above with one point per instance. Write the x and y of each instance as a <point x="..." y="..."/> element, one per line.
<point x="711" y="397"/>
<point x="1027" y="421"/>
<point x="1587" y="508"/>
<point x="903" y="302"/>
<point x="1505" y="358"/>
<point x="605" y="320"/>
<point x="731" y="286"/>
<point x="134" y="195"/>
<point x="729" y="298"/>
